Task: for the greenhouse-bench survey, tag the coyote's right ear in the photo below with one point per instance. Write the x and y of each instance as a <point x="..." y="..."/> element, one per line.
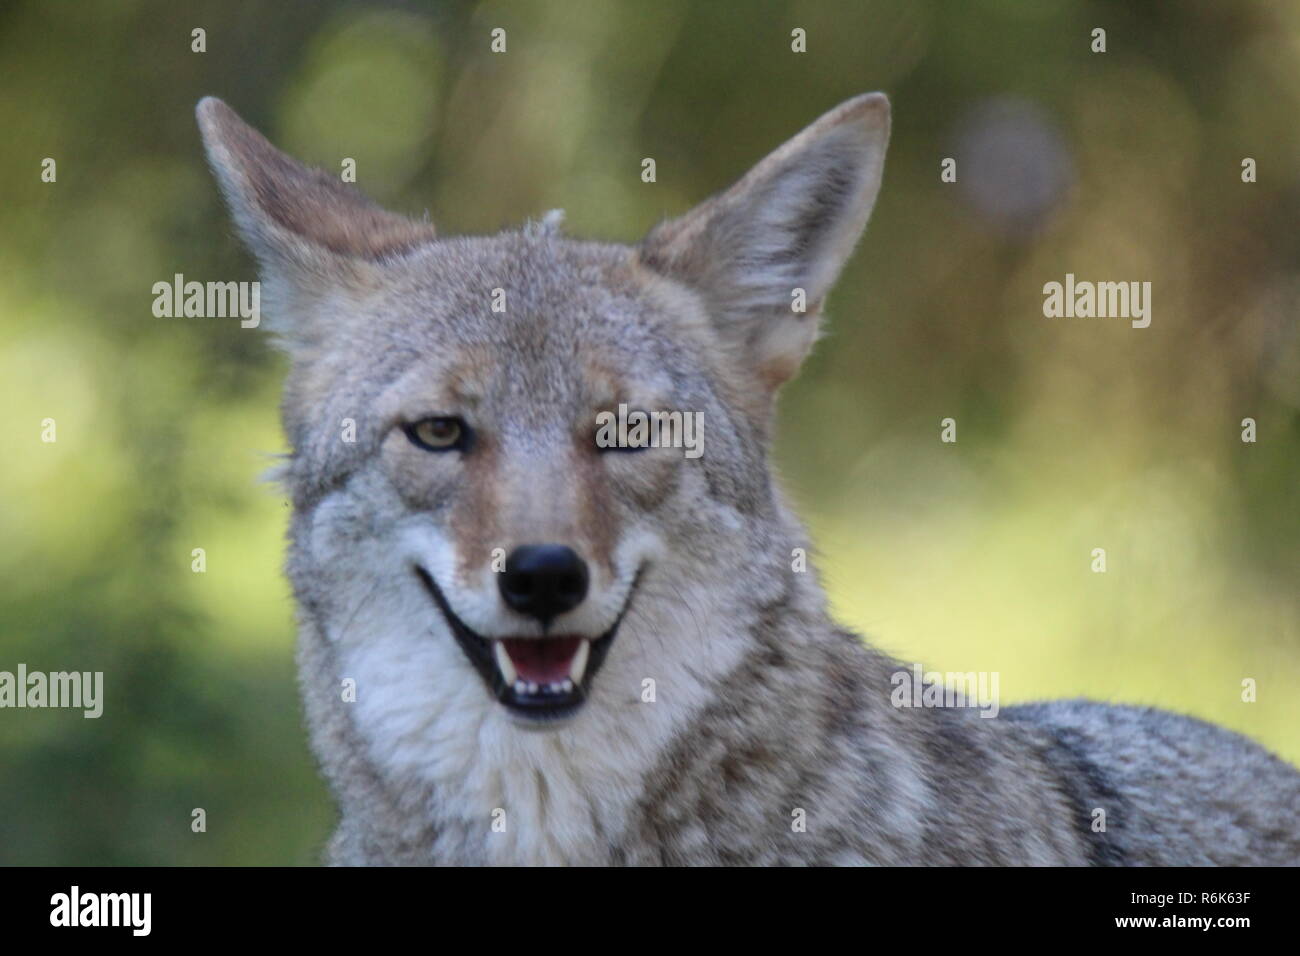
<point x="306" y="228"/>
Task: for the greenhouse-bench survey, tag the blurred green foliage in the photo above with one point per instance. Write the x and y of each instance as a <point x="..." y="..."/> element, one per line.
<point x="1073" y="434"/>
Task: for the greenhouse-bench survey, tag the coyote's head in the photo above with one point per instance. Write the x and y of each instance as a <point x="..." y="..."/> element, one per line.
<point x="460" y="538"/>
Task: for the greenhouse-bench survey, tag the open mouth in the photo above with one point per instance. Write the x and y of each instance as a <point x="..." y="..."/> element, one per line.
<point x="545" y="678"/>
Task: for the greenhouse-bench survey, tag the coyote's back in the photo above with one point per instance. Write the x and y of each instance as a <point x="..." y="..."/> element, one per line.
<point x="547" y="601"/>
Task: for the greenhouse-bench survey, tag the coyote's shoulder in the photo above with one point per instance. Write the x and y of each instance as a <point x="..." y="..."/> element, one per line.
<point x="1068" y="782"/>
<point x="524" y="642"/>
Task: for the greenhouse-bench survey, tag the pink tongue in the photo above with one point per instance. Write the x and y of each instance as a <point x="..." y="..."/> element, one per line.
<point x="542" y="660"/>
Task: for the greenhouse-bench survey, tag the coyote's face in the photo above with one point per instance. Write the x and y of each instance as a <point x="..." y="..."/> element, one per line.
<point x="476" y="497"/>
<point x="478" y="562"/>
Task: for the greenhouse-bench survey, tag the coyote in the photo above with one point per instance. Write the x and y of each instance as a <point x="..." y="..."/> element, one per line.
<point x="518" y="646"/>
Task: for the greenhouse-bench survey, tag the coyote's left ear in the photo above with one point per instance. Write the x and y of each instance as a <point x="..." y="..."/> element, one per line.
<point x="788" y="225"/>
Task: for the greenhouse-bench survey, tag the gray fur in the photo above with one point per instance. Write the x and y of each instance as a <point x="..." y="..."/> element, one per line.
<point x="765" y="712"/>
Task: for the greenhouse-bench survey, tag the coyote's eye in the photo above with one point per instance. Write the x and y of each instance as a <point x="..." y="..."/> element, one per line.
<point x="438" y="434"/>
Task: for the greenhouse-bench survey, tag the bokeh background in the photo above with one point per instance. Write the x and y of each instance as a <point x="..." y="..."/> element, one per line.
<point x="1072" y="433"/>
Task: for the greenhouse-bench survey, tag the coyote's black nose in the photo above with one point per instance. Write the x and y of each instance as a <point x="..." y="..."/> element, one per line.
<point x="543" y="580"/>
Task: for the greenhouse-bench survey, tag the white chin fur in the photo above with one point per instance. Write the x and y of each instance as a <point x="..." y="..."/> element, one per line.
<point x="425" y="720"/>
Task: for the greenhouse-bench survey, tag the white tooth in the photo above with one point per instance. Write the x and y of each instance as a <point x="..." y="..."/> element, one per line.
<point x="578" y="666"/>
<point x="504" y="663"/>
<point x="521" y="687"/>
<point x="566" y="687"/>
<point x="532" y="688"/>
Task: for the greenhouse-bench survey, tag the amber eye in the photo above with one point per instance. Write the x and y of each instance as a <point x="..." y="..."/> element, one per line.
<point x="438" y="434"/>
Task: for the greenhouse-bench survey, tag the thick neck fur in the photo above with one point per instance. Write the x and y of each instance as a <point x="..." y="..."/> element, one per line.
<point x="477" y="788"/>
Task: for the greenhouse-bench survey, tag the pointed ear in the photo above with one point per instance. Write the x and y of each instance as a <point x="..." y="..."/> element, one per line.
<point x="304" y="226"/>
<point x="789" y="224"/>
